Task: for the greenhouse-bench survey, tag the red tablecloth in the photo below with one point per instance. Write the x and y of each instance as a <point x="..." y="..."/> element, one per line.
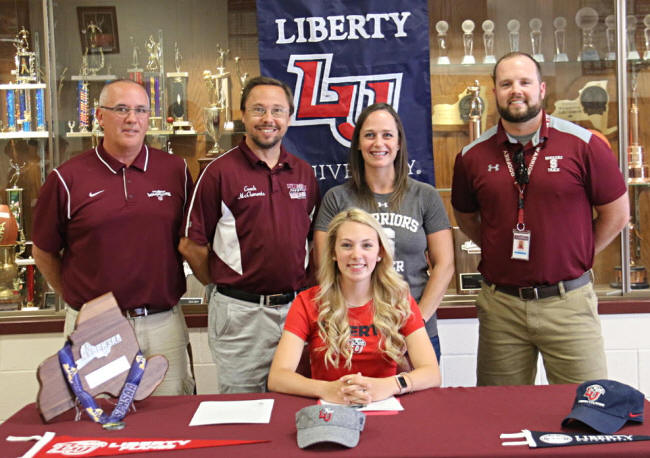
<point x="436" y="422"/>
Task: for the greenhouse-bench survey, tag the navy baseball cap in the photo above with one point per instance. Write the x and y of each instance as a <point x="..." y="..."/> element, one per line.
<point x="329" y="423"/>
<point x="606" y="405"/>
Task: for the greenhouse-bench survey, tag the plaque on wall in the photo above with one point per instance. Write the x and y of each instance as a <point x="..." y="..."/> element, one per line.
<point x="457" y="114"/>
<point x="592" y="104"/>
<point x="467" y="256"/>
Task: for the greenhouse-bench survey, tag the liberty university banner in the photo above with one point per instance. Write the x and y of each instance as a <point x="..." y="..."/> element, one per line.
<point x="340" y="56"/>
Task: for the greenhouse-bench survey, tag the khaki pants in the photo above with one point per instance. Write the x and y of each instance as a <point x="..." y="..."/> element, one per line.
<point x="159" y="334"/>
<point x="243" y="337"/>
<point x="565" y="329"/>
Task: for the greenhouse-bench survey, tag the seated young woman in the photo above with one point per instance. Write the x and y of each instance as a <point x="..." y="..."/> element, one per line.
<point x="358" y="323"/>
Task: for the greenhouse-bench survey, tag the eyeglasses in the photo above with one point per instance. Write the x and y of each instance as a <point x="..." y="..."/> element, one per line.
<point x="259" y="112"/>
<point x="521" y="172"/>
<point x="123" y="111"/>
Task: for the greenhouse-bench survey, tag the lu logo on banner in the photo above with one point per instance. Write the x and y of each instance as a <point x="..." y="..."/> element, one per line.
<point x="340" y="57"/>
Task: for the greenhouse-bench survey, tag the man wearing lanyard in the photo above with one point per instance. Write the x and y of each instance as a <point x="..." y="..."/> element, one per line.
<point x="109" y="219"/>
<point x="525" y="192"/>
<point x="246" y="232"/>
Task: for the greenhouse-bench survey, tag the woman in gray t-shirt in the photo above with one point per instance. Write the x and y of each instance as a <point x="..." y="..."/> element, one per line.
<point x="411" y="212"/>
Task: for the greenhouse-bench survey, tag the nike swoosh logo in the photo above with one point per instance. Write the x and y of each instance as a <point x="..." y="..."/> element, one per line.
<point x="93" y="194"/>
<point x="634" y="415"/>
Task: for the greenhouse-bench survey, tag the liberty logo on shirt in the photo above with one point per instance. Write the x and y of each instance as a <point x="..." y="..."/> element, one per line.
<point x="356" y="344"/>
<point x="159" y="194"/>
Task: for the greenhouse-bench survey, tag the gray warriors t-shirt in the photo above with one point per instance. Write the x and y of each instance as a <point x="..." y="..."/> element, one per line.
<point x="421" y="213"/>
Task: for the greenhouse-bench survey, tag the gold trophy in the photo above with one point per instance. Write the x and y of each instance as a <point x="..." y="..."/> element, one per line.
<point x="637" y="170"/>
<point x="475" y="111"/>
<point x="218" y="117"/>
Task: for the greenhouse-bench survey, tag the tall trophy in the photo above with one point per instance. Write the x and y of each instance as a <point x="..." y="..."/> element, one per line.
<point x="217" y="115"/>
<point x="559" y="24"/>
<point x="135" y="71"/>
<point x="638" y="273"/>
<point x="442" y="27"/>
<point x="513" y="34"/>
<point x="535" y="25"/>
<point x="586" y="20"/>
<point x="637" y="170"/>
<point x="468" y="42"/>
<point x="177" y="109"/>
<point x="93" y="52"/>
<point x="9" y="281"/>
<point x="632" y="53"/>
<point x="610" y="35"/>
<point x="646" y="37"/>
<point x="475" y="111"/>
<point x="488" y="41"/>
<point x="242" y="77"/>
<point x="153" y="82"/>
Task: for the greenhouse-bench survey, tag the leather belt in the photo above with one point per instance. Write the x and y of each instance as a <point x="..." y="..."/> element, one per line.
<point x="529" y="293"/>
<point x="142" y="311"/>
<point x="265" y="299"/>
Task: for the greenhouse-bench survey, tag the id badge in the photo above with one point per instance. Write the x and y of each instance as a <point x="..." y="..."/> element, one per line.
<point x="520" y="245"/>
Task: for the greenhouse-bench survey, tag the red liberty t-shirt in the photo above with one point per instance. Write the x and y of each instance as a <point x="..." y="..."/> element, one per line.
<point x="368" y="358"/>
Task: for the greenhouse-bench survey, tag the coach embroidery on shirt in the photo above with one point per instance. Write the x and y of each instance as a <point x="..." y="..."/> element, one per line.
<point x="297" y="190"/>
<point x="250" y="191"/>
<point x="553" y="165"/>
<point x="159" y="194"/>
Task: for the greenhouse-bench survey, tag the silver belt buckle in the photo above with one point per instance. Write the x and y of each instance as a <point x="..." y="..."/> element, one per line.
<point x="535" y="293"/>
<point x="267" y="299"/>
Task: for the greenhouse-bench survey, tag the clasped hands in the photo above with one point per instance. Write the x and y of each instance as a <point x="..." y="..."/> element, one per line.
<point x="355" y="389"/>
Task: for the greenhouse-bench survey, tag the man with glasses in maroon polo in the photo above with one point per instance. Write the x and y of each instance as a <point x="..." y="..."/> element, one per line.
<point x="109" y="220"/>
<point x="525" y="192"/>
<point x="246" y="232"/>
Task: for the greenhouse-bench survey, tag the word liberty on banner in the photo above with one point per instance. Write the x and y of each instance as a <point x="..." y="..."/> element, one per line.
<point x="339" y="57"/>
<point x="48" y="445"/>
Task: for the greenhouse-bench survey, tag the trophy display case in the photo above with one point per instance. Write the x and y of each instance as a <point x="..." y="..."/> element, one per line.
<point x="195" y="58"/>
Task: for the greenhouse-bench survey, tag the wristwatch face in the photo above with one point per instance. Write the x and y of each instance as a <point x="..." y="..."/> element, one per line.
<point x="402" y="382"/>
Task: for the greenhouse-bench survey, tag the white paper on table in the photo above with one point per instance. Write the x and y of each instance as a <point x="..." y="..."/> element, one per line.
<point x="221" y="412"/>
<point x="388" y="404"/>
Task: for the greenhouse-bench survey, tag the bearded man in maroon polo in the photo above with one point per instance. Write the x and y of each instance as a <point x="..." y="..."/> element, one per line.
<point x="246" y="232"/>
<point x="108" y="220"/>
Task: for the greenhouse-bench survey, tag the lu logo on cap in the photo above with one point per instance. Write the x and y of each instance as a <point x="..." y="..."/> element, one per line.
<point x="606" y="405"/>
<point x="331" y="423"/>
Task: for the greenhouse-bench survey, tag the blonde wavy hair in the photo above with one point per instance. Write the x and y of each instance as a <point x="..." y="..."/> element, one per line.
<point x="390" y="294"/>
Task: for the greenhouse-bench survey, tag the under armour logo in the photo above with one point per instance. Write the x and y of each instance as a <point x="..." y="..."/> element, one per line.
<point x="493" y="167"/>
<point x="382" y="204"/>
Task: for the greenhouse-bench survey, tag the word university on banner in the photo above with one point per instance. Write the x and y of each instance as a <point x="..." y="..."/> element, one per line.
<point x="339" y="57"/>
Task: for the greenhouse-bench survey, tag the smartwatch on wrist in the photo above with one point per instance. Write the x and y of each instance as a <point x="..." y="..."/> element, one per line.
<point x="401" y="383"/>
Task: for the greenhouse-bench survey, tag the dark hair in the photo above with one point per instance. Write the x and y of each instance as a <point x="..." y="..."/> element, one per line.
<point x="357" y="167"/>
<point x="516" y="54"/>
<point x="265" y="81"/>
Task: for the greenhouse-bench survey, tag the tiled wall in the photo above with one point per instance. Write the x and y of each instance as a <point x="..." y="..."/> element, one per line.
<point x="627" y="343"/>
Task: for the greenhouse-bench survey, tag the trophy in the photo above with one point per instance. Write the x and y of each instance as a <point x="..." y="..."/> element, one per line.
<point x="638" y="273"/>
<point x="646" y="37"/>
<point x="475" y="111"/>
<point x="243" y="77"/>
<point x="468" y="42"/>
<point x="610" y="34"/>
<point x="513" y="34"/>
<point x="586" y="20"/>
<point x="93" y="52"/>
<point x="632" y="53"/>
<point x="9" y="282"/>
<point x="153" y="83"/>
<point x="637" y="170"/>
<point x="177" y="109"/>
<point x="83" y="108"/>
<point x="535" y="25"/>
<point x="135" y="71"/>
<point x="217" y="115"/>
<point x="559" y="23"/>
<point x="488" y="41"/>
<point x="442" y="27"/>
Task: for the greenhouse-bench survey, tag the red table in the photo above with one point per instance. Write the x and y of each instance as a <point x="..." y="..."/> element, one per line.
<point x="436" y="422"/>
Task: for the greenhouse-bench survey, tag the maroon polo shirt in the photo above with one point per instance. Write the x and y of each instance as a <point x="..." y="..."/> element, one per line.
<point x="574" y="171"/>
<point x="118" y="226"/>
<point x="256" y="220"/>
